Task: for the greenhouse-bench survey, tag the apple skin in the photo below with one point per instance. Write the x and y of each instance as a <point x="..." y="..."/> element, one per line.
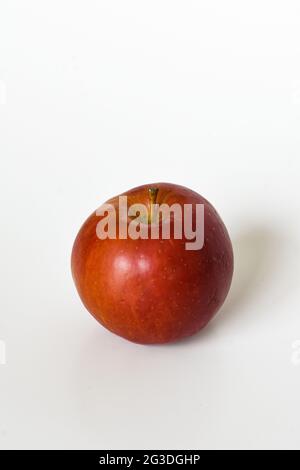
<point x="154" y="291"/>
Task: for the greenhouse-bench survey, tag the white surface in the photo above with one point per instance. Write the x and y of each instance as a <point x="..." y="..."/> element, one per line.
<point x="97" y="97"/>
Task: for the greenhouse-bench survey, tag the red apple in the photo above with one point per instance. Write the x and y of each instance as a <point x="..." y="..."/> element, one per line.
<point x="154" y="290"/>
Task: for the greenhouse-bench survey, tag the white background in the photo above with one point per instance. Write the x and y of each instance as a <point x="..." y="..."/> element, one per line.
<point x="97" y="97"/>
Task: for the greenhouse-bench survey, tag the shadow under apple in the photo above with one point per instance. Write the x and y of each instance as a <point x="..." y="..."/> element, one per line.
<point x="254" y="264"/>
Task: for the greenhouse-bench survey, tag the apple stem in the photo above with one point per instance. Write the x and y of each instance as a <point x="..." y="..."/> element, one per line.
<point x="152" y="196"/>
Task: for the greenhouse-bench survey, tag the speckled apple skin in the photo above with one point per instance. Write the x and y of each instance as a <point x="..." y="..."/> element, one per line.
<point x="154" y="291"/>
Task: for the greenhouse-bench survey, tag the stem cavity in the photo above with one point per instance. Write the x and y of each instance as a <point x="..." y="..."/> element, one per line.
<point x="152" y="196"/>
